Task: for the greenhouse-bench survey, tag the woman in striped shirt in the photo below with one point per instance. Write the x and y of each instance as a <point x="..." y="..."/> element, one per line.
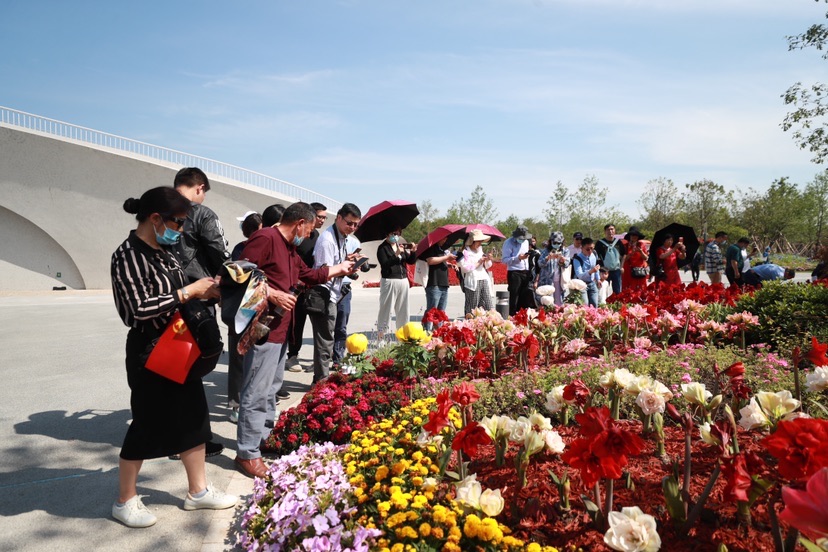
<point x="167" y="417"/>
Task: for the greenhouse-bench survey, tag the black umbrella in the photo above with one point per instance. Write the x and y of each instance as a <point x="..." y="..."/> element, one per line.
<point x="688" y="235"/>
<point x="384" y="217"/>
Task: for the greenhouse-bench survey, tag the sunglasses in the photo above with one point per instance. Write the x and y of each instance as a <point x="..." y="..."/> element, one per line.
<point x="178" y="221"/>
<point x="351" y="224"/>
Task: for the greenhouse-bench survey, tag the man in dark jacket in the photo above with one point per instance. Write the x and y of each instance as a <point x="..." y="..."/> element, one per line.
<point x="202" y="248"/>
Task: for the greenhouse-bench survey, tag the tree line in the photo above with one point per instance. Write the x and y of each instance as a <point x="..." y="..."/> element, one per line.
<point x="788" y="217"/>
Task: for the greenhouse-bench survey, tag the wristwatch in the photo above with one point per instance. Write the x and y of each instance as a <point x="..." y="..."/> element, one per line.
<point x="185" y="295"/>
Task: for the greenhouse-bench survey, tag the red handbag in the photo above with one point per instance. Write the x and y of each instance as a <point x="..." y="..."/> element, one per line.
<point x="176" y="351"/>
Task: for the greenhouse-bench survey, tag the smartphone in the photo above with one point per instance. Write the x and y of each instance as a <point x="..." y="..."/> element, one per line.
<point x="359" y="263"/>
<point x="358" y="250"/>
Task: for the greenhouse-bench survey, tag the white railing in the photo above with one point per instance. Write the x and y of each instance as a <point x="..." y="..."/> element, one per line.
<point x="69" y="131"/>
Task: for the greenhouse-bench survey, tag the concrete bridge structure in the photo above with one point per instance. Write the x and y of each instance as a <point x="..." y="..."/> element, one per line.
<point x="62" y="189"/>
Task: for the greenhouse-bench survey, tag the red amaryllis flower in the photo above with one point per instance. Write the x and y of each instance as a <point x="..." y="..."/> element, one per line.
<point x="465" y="393"/>
<point x="617" y="443"/>
<point x="736" y="370"/>
<point x="817" y="353"/>
<point x="808" y="510"/>
<point x="438" y="419"/>
<point x="521" y="317"/>
<point x="737" y="478"/>
<point x="435" y="316"/>
<point x="462" y="355"/>
<point x="579" y="455"/>
<point x="576" y="393"/>
<point x="480" y="361"/>
<point x="594" y="421"/>
<point x="469" y="438"/>
<point x="801" y="446"/>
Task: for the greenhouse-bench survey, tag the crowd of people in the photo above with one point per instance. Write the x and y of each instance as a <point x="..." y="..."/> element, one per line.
<point x="178" y="248"/>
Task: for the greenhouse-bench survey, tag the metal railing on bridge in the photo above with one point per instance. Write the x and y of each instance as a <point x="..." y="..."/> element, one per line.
<point x="84" y="135"/>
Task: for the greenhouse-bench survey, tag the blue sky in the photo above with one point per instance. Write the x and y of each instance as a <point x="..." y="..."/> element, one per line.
<point x="371" y="100"/>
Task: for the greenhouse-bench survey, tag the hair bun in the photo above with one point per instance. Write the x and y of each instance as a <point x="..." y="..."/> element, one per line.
<point x="131" y="205"/>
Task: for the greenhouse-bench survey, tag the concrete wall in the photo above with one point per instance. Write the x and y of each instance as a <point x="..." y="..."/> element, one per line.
<point x="61" y="208"/>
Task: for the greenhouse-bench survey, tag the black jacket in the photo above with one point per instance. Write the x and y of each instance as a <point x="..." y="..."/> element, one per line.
<point x="202" y="248"/>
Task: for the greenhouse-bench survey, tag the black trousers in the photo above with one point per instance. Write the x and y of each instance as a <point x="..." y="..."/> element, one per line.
<point x="520" y="294"/>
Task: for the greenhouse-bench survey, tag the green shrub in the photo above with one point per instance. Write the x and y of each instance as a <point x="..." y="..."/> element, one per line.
<point x="789" y="314"/>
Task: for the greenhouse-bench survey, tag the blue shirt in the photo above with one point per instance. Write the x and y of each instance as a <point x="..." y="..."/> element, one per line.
<point x="583" y="265"/>
<point x="512" y="249"/>
<point x="769" y="271"/>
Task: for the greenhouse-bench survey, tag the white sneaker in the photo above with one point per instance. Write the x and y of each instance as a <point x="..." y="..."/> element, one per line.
<point x="292" y="364"/>
<point x="133" y="513"/>
<point x="234" y="416"/>
<point x="212" y="500"/>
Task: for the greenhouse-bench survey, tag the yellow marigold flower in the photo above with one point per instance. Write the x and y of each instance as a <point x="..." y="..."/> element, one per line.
<point x="420" y="502"/>
<point x="363" y="499"/>
<point x="454" y="534"/>
<point x="417" y="481"/>
<point x="398" y="468"/>
<point x="417" y="456"/>
<point x="399" y="452"/>
<point x="533" y="547"/>
<point x="398" y="481"/>
<point x="398" y="547"/>
<point x="382" y="473"/>
<point x="437" y="532"/>
<point x="372" y="449"/>
<point x="472" y="526"/>
<point x="418" y="420"/>
<point x="425" y="530"/>
<point x="383" y="508"/>
<point x="406" y="532"/>
<point x="451" y="547"/>
<point x="351" y="469"/>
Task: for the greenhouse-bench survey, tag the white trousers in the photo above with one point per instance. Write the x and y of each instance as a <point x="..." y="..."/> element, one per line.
<point x="393" y="291"/>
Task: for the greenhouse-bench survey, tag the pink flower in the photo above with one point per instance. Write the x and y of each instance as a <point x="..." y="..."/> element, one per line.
<point x="808" y="510"/>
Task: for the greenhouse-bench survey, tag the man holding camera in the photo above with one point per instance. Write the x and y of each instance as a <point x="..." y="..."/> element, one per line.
<point x="516" y="258"/>
<point x="331" y="249"/>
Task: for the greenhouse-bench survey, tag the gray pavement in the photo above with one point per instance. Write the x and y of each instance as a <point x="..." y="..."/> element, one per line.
<point x="64" y="408"/>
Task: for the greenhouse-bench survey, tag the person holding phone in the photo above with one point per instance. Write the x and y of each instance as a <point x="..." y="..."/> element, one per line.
<point x="668" y="256"/>
<point x="437" y="287"/>
<point x="474" y="266"/>
<point x="393" y="257"/>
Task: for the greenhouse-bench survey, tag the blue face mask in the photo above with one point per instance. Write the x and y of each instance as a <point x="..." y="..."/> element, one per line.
<point x="297" y="240"/>
<point x="169" y="237"/>
<point x="520" y="240"/>
<point x="393" y="238"/>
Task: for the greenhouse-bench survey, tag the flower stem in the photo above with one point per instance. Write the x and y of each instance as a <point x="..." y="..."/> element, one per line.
<point x="697" y="508"/>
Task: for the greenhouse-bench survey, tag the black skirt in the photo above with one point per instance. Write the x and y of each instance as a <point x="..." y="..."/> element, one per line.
<point x="167" y="417"/>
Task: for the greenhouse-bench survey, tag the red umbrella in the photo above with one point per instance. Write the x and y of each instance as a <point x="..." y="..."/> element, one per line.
<point x="446" y="231"/>
<point x="384" y="217"/>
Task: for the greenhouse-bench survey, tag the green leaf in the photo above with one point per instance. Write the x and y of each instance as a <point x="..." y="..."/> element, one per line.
<point x="809" y="546"/>
<point x="672" y="496"/>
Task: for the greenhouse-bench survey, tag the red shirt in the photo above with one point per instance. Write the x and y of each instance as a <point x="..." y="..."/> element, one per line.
<point x="284" y="268"/>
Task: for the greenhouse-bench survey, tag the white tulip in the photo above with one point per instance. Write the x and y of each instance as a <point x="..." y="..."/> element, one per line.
<point x="491" y="502"/>
<point x="631" y="530"/>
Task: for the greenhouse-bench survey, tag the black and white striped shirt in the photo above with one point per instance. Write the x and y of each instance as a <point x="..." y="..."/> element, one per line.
<point x="143" y="293"/>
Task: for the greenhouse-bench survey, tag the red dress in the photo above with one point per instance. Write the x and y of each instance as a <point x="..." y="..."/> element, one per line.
<point x="634" y="259"/>
<point x="670" y="264"/>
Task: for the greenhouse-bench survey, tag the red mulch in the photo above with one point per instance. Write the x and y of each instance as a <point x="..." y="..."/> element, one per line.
<point x="533" y="513"/>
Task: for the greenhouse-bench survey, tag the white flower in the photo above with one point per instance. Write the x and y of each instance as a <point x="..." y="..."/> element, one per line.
<point x="539" y="421"/>
<point x="695" y="393"/>
<point x="547" y="300"/>
<point x="752" y="416"/>
<point x="468" y="491"/>
<point x="554" y="399"/>
<point x="576" y="285"/>
<point x="347" y="369"/>
<point x="631" y="530"/>
<point x="777" y="405"/>
<point x="554" y="443"/>
<point x="533" y="442"/>
<point x="623" y="377"/>
<point x="519" y="430"/>
<point x="429" y="484"/>
<point x="543" y="291"/>
<point x="638" y="384"/>
<point x="818" y="381"/>
<point x="425" y="438"/>
<point x="491" y="502"/>
<point x="657" y="387"/>
<point x="650" y="402"/>
<point x="704" y="430"/>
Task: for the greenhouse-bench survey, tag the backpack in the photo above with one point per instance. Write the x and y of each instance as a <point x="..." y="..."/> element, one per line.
<point x="612" y="259"/>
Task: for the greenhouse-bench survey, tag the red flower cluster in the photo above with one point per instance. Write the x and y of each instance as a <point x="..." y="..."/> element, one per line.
<point x="801" y="446"/>
<point x="817" y="353"/>
<point x="469" y="438"/>
<point x="576" y="393"/>
<point x="331" y="411"/>
<point x="737" y="385"/>
<point x="667" y="297"/>
<point x="438" y="419"/>
<point x="603" y="448"/>
<point x="435" y="316"/>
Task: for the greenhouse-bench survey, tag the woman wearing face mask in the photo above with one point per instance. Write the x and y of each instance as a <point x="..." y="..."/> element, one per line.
<point x="393" y="258"/>
<point x="167" y="417"/>
<point x="474" y="265"/>
<point x="554" y="259"/>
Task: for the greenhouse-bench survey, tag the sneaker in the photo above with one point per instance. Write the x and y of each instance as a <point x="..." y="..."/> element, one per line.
<point x="292" y="364"/>
<point x="282" y="394"/>
<point x="234" y="416"/>
<point x="213" y="449"/>
<point x="133" y="513"/>
<point x="213" y="499"/>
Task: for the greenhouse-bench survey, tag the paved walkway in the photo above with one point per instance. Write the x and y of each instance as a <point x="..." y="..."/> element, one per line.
<point x="64" y="409"/>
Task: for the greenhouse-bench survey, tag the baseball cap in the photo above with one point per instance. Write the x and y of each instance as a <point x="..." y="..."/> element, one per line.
<point x="578" y="236"/>
<point x="247" y="214"/>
